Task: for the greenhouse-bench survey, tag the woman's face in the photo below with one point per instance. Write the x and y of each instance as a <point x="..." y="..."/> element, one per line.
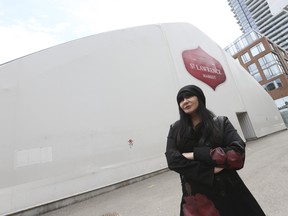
<point x="189" y="105"/>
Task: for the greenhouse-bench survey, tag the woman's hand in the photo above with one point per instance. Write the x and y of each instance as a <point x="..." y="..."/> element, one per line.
<point x="188" y="155"/>
<point x="218" y="169"/>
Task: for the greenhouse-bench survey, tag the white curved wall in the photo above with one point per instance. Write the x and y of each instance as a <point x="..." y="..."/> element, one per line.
<point x="68" y="112"/>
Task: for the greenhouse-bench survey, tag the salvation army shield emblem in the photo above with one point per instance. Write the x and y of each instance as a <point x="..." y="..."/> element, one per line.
<point x="204" y="67"/>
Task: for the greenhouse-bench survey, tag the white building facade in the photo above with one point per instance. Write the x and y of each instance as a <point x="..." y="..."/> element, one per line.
<point x="96" y="111"/>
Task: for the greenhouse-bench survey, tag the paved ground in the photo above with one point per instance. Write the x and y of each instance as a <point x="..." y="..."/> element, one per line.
<point x="265" y="173"/>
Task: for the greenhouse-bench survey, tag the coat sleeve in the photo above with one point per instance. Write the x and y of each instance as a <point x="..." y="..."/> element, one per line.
<point x="191" y="169"/>
<point x="230" y="155"/>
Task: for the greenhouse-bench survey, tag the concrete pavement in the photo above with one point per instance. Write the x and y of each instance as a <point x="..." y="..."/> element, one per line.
<point x="265" y="173"/>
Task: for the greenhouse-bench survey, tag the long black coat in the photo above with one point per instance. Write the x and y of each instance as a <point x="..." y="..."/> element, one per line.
<point x="206" y="193"/>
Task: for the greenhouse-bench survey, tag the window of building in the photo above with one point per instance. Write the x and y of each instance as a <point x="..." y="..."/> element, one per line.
<point x="275" y="84"/>
<point x="245" y="43"/>
<point x="270" y="65"/>
<point x="257" y="49"/>
<point x="282" y="103"/>
<point x="253" y="36"/>
<point x="278" y="82"/>
<point x="245" y="57"/>
<point x="253" y="70"/>
<point x="270" y="86"/>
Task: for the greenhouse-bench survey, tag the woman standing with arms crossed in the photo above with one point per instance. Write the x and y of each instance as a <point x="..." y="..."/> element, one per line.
<point x="206" y="151"/>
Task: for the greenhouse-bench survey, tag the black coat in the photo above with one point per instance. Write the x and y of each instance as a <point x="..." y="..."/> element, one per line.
<point x="206" y="193"/>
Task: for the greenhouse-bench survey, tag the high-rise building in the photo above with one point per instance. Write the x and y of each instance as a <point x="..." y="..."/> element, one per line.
<point x="268" y="17"/>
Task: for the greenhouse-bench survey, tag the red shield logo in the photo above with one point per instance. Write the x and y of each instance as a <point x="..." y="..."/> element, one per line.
<point x="204" y="67"/>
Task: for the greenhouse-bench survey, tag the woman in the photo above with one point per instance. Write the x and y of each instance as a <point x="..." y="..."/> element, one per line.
<point x="206" y="151"/>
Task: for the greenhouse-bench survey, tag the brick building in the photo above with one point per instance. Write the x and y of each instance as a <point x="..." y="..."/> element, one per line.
<point x="266" y="62"/>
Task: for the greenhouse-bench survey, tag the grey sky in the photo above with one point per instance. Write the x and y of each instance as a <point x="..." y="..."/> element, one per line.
<point x="31" y="25"/>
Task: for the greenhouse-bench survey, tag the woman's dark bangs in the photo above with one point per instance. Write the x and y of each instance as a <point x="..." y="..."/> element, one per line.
<point x="183" y="95"/>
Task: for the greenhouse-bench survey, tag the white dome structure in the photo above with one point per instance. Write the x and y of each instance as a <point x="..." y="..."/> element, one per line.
<point x="96" y="111"/>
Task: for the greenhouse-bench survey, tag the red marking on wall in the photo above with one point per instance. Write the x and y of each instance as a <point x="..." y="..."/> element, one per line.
<point x="130" y="142"/>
